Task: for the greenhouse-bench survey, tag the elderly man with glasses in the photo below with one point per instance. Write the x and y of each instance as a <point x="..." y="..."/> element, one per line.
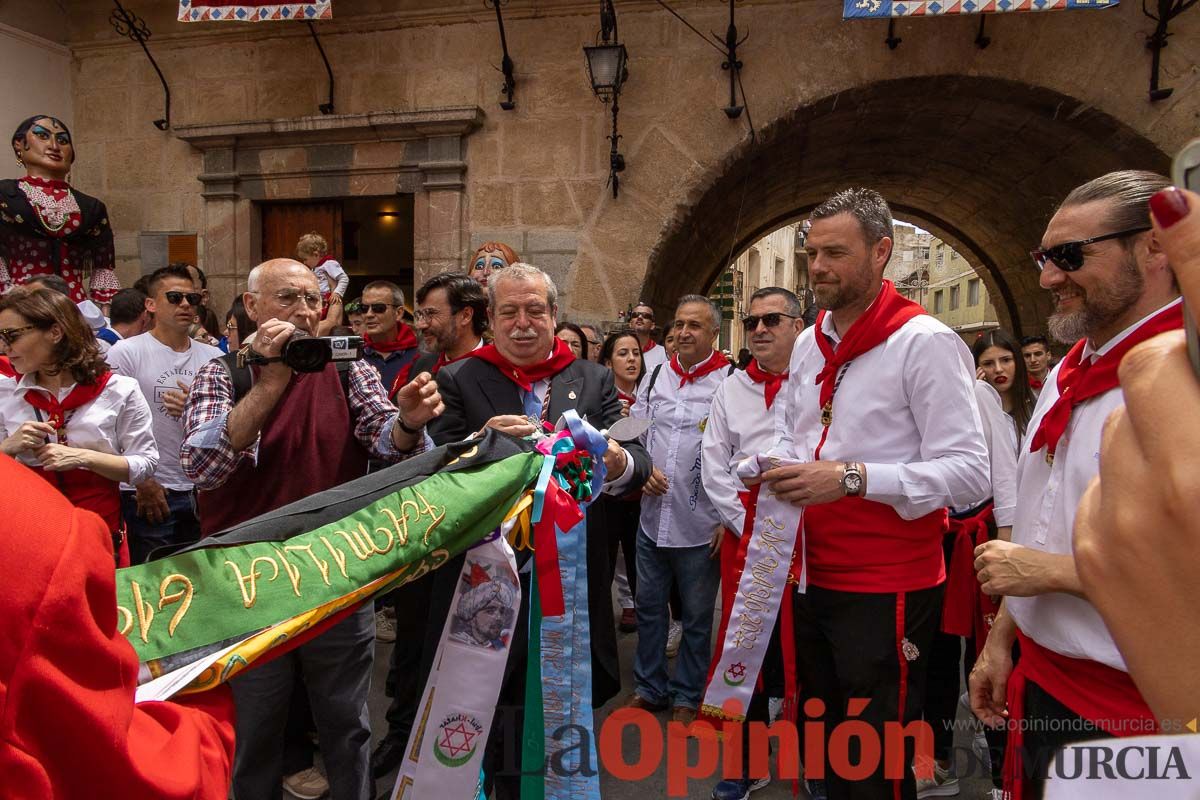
<point x="288" y="436"/>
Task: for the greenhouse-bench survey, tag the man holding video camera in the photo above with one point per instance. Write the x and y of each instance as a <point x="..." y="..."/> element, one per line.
<point x="260" y="435"/>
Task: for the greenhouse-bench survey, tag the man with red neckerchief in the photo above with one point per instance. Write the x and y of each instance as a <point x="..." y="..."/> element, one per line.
<point x="389" y="345"/>
<point x="528" y="377"/>
<point x="883" y="418"/>
<point x="747" y="412"/>
<point x="679" y="528"/>
<point x="1113" y="288"/>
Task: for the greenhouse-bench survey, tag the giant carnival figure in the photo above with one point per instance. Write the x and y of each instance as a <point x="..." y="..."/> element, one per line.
<point x="48" y="228"/>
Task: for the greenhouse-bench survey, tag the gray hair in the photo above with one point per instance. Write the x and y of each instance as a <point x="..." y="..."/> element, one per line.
<point x="790" y="301"/>
<point x="866" y="205"/>
<point x="701" y="299"/>
<point x="520" y="271"/>
<point x="397" y="292"/>
<point x="1129" y="192"/>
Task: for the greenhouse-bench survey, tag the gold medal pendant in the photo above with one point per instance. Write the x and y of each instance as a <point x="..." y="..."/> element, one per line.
<point x="827" y="414"/>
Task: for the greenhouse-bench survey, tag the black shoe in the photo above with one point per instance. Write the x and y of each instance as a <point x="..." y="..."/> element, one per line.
<point x="386" y="758"/>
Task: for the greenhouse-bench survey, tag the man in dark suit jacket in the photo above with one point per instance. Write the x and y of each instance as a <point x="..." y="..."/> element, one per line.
<point x="502" y="387"/>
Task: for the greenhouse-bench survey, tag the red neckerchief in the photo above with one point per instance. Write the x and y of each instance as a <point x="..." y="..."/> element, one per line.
<point x="886" y="315"/>
<point x="1079" y="380"/>
<point x="1034" y="383"/>
<point x="324" y="260"/>
<point x="653" y="344"/>
<point x="527" y="376"/>
<point x="56" y="189"/>
<point x="714" y="362"/>
<point x="772" y="382"/>
<point x="6" y="367"/>
<point x="56" y="410"/>
<point x="405" y="340"/>
<point x="628" y="398"/>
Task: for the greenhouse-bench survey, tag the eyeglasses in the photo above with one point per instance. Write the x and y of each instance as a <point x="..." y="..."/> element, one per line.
<point x="378" y="308"/>
<point x="1069" y="256"/>
<point x="10" y="335"/>
<point x="750" y="321"/>
<point x="288" y="297"/>
<point x="230" y="326"/>
<point x="642" y="315"/>
<point x="424" y="314"/>
<point x="193" y="298"/>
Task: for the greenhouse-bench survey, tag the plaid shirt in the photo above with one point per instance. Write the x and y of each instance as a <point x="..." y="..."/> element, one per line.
<point x="208" y="458"/>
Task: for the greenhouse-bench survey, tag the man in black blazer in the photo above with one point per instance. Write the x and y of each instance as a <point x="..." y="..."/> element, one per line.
<point x="502" y="387"/>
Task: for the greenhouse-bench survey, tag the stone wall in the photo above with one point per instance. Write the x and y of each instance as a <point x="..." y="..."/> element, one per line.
<point x="975" y="144"/>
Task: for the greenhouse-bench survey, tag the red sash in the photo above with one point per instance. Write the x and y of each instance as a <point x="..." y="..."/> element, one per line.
<point x="1104" y="696"/>
<point x="1080" y="381"/>
<point x="527" y="376"/>
<point x="966" y="610"/>
<point x="772" y="382"/>
<point x="714" y="362"/>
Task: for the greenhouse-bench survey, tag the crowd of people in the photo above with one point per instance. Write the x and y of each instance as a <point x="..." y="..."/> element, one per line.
<point x="934" y="488"/>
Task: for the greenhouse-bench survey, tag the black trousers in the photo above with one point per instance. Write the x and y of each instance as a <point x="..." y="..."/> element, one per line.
<point x="1049" y="726"/>
<point x="948" y="667"/>
<point x="847" y="651"/>
<point x="620" y="520"/>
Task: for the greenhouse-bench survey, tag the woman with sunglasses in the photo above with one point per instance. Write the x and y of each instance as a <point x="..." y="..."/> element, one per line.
<point x="83" y="428"/>
<point x="1005" y="405"/>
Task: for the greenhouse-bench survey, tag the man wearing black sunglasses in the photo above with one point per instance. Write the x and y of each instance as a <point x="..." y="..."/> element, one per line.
<point x="642" y="323"/>
<point x="160" y="511"/>
<point x="390" y="345"/>
<point x="1112" y="288"/>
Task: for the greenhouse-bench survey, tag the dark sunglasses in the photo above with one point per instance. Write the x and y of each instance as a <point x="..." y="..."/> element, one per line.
<point x="10" y="335"/>
<point x="750" y="322"/>
<point x="193" y="298"/>
<point x="377" y="308"/>
<point x="642" y="315"/>
<point x="1068" y="256"/>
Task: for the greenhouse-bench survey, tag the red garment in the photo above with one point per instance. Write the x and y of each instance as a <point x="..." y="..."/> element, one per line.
<point x="1104" y="696"/>
<point x="6" y="368"/>
<point x="1080" y="381"/>
<point x="650" y="346"/>
<point x="405" y="340"/>
<point x="56" y="409"/>
<point x="714" y="362"/>
<point x="527" y="376"/>
<point x="68" y="724"/>
<point x="772" y="382"/>
<point x="966" y="610"/>
<point x="628" y="398"/>
<point x="1034" y="383"/>
<point x="886" y="315"/>
<point x="305" y="448"/>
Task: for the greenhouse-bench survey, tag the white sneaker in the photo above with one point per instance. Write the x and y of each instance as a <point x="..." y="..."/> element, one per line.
<point x="944" y="783"/>
<point x="997" y="794"/>
<point x="307" y="784"/>
<point x="385" y="628"/>
<point x="674" y="636"/>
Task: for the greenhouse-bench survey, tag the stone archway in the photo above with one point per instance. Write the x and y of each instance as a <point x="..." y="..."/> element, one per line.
<point x="980" y="162"/>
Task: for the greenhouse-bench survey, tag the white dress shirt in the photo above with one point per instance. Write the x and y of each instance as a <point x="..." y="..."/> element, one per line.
<point x="739" y="426"/>
<point x="1047" y="497"/>
<point x="905" y="408"/>
<point x="684" y="516"/>
<point x="1000" y="432"/>
<point x="653" y="357"/>
<point x="118" y="422"/>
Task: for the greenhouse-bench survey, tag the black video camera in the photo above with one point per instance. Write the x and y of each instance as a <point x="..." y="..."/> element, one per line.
<point x="305" y="353"/>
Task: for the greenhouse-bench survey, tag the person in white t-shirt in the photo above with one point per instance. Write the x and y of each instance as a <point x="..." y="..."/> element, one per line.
<point x="160" y="511"/>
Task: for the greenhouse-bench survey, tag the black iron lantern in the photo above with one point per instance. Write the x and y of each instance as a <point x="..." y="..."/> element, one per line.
<point x="607" y="62"/>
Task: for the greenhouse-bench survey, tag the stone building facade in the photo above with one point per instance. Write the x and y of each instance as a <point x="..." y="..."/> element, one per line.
<point x="974" y="145"/>
<point x="777" y="259"/>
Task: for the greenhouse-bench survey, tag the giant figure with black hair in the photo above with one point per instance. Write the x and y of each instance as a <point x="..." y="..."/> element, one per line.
<point x="46" y="226"/>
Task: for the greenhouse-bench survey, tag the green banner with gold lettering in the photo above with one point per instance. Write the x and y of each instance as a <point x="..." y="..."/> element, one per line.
<point x="322" y="554"/>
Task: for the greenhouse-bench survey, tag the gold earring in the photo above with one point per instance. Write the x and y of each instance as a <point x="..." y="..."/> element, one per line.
<point x="20" y="162"/>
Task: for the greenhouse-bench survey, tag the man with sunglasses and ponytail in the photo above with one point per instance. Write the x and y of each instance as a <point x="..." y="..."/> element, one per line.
<point x="642" y="323"/>
<point x="1113" y="288"/>
<point x="885" y="434"/>
<point x="160" y="511"/>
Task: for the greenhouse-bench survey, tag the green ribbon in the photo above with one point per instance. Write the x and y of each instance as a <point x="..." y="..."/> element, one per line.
<point x="216" y="594"/>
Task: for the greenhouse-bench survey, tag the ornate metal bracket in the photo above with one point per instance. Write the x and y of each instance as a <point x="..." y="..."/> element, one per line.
<point x="731" y="63"/>
<point x="133" y="27"/>
<point x="1155" y="42"/>
<point x="982" y="40"/>
<point x="325" y="108"/>
<point x="616" y="161"/>
<point x="506" y="63"/>
<point x="892" y="41"/>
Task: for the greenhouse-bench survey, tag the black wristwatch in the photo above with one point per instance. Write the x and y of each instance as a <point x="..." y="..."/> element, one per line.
<point x="406" y="429"/>
<point x="852" y="479"/>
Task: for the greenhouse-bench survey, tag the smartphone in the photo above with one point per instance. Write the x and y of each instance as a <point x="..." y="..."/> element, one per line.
<point x="1185" y="173"/>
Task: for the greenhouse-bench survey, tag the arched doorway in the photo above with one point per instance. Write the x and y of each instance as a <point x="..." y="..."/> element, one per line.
<point x="979" y="162"/>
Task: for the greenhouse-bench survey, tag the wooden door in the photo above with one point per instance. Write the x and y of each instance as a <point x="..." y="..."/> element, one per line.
<point x="285" y="223"/>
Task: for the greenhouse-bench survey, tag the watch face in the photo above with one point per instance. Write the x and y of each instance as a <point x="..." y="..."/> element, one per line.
<point x="853" y="483"/>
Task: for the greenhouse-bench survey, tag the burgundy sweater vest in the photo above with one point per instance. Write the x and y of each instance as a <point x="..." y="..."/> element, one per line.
<point x="307" y="446"/>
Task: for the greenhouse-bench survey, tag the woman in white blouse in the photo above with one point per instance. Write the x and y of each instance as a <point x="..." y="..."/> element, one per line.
<point x="64" y="414"/>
